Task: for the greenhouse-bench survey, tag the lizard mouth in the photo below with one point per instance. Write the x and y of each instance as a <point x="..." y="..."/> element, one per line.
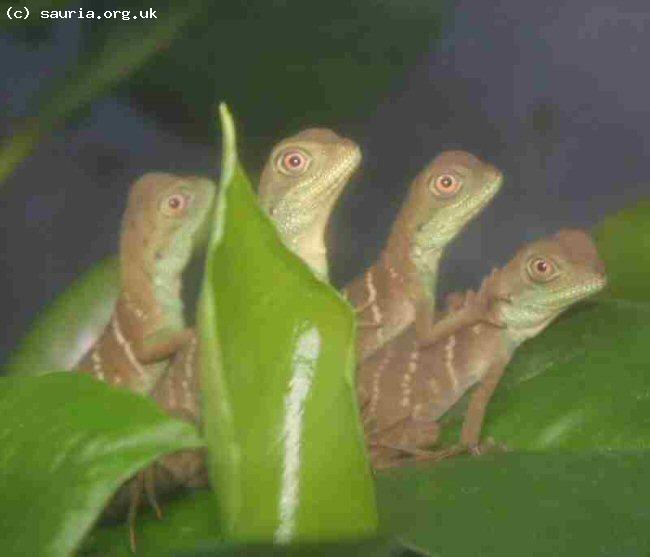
<point x="565" y="298"/>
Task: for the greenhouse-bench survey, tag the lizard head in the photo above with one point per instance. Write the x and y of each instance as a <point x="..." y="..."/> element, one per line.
<point x="545" y="278"/>
<point x="303" y="178"/>
<point x="166" y="219"/>
<point x="446" y="195"/>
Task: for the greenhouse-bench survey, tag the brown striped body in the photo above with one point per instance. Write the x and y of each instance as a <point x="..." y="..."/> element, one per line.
<point x="406" y="389"/>
<point x="385" y="301"/>
<point x="112" y="360"/>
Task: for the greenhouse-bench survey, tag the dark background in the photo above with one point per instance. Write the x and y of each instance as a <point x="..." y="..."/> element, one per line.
<point x="556" y="95"/>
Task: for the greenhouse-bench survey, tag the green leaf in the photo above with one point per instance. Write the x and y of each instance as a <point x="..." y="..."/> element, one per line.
<point x="187" y="528"/>
<point x="623" y="241"/>
<point x="287" y="456"/>
<point x="63" y="332"/>
<point x="68" y="442"/>
<point x="582" y="384"/>
<point x="522" y="504"/>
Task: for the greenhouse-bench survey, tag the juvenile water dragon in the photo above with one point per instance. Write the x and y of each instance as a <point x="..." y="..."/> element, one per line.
<point x="399" y="288"/>
<point x="164" y="223"/>
<point x="408" y="387"/>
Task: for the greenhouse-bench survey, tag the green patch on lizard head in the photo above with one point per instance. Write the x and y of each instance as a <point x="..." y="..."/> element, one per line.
<point x="549" y="275"/>
<point x="166" y="219"/>
<point x="454" y="188"/>
<point x="303" y="178"/>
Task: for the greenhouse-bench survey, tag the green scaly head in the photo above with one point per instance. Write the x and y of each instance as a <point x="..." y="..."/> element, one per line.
<point x="300" y="183"/>
<point x="545" y="278"/>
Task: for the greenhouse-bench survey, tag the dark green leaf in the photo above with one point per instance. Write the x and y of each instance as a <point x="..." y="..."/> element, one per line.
<point x="582" y="384"/>
<point x="65" y="329"/>
<point x="522" y="504"/>
<point x="624" y="243"/>
<point x="68" y="442"/>
<point x="187" y="529"/>
<point x="280" y="411"/>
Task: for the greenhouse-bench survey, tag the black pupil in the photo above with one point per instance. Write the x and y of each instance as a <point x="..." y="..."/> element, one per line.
<point x="446" y="182"/>
<point x="542" y="267"/>
<point x="174" y="202"/>
<point x="295" y="160"/>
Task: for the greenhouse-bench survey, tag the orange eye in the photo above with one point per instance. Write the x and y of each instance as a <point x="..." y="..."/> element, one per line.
<point x="541" y="269"/>
<point x="445" y="185"/>
<point x="175" y="204"/>
<point x="293" y="162"/>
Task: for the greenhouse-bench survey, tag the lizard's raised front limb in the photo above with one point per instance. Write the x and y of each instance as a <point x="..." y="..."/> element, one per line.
<point x="475" y="309"/>
<point x="471" y="432"/>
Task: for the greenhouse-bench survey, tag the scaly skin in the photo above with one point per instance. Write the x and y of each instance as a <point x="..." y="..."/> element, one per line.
<point x="165" y="222"/>
<point x="299" y="186"/>
<point x="408" y="387"/>
<point x="399" y="288"/>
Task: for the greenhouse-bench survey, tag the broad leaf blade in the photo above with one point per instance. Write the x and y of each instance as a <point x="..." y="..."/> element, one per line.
<point x="63" y="332"/>
<point x="280" y="413"/>
<point x="624" y="243"/>
<point x="582" y="385"/>
<point x="187" y="529"/>
<point x="68" y="442"/>
<point x="522" y="504"/>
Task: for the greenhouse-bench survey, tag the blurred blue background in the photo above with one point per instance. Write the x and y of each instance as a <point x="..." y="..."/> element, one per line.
<point x="556" y="95"/>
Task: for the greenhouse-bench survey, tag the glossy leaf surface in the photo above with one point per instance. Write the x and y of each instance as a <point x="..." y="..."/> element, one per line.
<point x="280" y="412"/>
<point x="68" y="442"/>
<point x="522" y="504"/>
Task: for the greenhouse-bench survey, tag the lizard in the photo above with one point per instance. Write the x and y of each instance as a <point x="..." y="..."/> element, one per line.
<point x="410" y="386"/>
<point x="299" y="185"/>
<point x="399" y="289"/>
<point x="164" y="224"/>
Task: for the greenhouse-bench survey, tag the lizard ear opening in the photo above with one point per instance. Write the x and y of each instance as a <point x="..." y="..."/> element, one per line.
<point x="292" y="162"/>
<point x="541" y="269"/>
<point x="445" y="185"/>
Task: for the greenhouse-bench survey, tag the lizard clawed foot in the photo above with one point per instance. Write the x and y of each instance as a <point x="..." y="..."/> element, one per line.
<point x="488" y="446"/>
<point x="143" y="481"/>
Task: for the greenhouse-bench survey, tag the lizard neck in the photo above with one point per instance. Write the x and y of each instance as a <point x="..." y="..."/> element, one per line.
<point x="416" y="265"/>
<point x="309" y="245"/>
<point x="152" y="282"/>
<point x="522" y="323"/>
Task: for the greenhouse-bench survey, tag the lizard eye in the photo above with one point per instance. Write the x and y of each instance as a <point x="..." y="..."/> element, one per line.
<point x="541" y="269"/>
<point x="175" y="204"/>
<point x="293" y="162"/>
<point x="445" y="185"/>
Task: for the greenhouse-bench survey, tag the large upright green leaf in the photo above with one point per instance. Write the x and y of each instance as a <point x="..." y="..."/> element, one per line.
<point x="624" y="243"/>
<point x="522" y="504"/>
<point x="68" y="326"/>
<point x="280" y="412"/>
<point x="68" y="441"/>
